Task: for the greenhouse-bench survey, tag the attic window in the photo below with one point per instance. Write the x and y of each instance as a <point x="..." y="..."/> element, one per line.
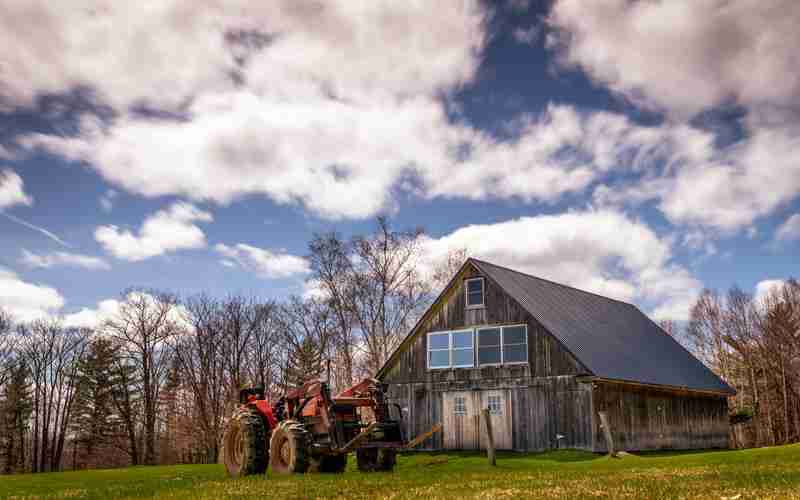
<point x="474" y="291"/>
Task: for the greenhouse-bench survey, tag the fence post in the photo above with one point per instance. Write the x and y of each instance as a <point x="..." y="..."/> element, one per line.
<point x="489" y="437"/>
<point x="607" y="433"/>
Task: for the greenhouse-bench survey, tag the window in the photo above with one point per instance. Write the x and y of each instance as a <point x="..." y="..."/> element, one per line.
<point x="463" y="354"/>
<point x="474" y="291"/>
<point x="439" y="350"/>
<point x="495" y="405"/>
<point x="489" y="350"/>
<point x="515" y="344"/>
<point x="451" y="349"/>
<point x="459" y="405"/>
<point x="503" y="345"/>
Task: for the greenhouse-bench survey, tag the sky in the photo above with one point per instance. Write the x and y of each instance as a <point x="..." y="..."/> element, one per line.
<point x="643" y="150"/>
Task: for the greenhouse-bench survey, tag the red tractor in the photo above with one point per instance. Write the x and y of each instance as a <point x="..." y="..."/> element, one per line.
<point x="308" y="430"/>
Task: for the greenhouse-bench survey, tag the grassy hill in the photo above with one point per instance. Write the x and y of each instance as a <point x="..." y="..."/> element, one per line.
<point x="762" y="473"/>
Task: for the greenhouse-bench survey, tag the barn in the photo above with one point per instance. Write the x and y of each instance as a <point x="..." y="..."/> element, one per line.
<point x="547" y="359"/>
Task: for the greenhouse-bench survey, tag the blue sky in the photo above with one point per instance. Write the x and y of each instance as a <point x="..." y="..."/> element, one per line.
<point x="630" y="148"/>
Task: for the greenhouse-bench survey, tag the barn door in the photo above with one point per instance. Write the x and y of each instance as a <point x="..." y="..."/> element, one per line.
<point x="461" y="420"/>
<point x="499" y="405"/>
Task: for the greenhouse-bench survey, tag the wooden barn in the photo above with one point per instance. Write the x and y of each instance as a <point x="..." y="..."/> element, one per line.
<point x="546" y="359"/>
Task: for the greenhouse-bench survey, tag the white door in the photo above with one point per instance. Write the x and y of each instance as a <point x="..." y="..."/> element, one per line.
<point x="499" y="404"/>
<point x="460" y="419"/>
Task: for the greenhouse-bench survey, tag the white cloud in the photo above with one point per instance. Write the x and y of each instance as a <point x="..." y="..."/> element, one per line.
<point x="683" y="55"/>
<point x="27" y="301"/>
<point x="12" y="190"/>
<point x="527" y="36"/>
<point x="107" y="200"/>
<point x="164" y="53"/>
<point x="265" y="263"/>
<point x="92" y="318"/>
<point x="165" y="231"/>
<point x="764" y="288"/>
<point x="790" y="229"/>
<point x="601" y="251"/>
<point x="110" y="308"/>
<point x="63" y="259"/>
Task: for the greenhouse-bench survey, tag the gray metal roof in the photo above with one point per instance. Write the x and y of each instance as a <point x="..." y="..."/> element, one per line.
<point x="613" y="339"/>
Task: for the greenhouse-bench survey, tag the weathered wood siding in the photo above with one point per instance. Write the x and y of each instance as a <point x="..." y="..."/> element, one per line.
<point x="644" y="418"/>
<point x="542" y="398"/>
<point x="546" y="356"/>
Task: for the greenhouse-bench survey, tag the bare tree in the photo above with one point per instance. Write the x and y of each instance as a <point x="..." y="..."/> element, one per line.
<point x="202" y="363"/>
<point x="144" y="325"/>
<point x="445" y="269"/>
<point x="331" y="263"/>
<point x="51" y="353"/>
<point x="388" y="291"/>
<point x="242" y="319"/>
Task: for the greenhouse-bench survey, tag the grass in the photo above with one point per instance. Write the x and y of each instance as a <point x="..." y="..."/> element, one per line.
<point x="733" y="475"/>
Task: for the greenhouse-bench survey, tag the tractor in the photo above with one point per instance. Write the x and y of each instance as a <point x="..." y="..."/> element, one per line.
<point x="307" y="430"/>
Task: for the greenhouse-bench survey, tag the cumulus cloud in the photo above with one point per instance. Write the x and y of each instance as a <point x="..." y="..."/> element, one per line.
<point x="107" y="200"/>
<point x="165" y="231"/>
<point x="599" y="250"/>
<point x="265" y="263"/>
<point x="789" y="230"/>
<point x="526" y="36"/>
<point x="12" y="190"/>
<point x="684" y="57"/>
<point x="108" y="309"/>
<point x="92" y="317"/>
<point x="63" y="259"/>
<point x="27" y="301"/>
<point x="765" y="287"/>
<point x="171" y="51"/>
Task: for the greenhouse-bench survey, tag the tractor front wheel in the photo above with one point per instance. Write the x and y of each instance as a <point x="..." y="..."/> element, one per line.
<point x="289" y="448"/>
<point x="245" y="444"/>
<point x="376" y="459"/>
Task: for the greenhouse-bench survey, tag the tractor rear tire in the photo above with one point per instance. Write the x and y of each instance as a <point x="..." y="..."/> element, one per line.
<point x="245" y="444"/>
<point x="289" y="448"/>
<point x="376" y="459"/>
<point x="332" y="464"/>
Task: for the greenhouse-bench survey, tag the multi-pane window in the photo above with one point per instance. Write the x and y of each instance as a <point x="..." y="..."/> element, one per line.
<point x="495" y="405"/>
<point x="474" y="291"/>
<point x="515" y="344"/>
<point x="489" y="346"/>
<point x="439" y="350"/>
<point x="501" y="345"/>
<point x="451" y="349"/>
<point x="459" y="405"/>
<point x="462" y="352"/>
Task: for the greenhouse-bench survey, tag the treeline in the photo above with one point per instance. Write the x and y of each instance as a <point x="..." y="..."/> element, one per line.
<point x="154" y="383"/>
<point x="755" y="346"/>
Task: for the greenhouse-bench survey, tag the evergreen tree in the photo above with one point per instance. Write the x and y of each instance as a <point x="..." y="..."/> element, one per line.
<point x="16" y="407"/>
<point x="92" y="422"/>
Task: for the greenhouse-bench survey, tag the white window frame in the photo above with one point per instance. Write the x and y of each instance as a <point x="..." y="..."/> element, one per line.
<point x="498" y="408"/>
<point x="428" y="351"/>
<point x="477" y="339"/>
<point x="450" y="349"/>
<point x="466" y="293"/>
<point x="502" y="345"/>
<point x="463" y="405"/>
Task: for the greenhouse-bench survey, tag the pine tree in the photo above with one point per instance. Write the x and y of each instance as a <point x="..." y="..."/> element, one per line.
<point x="16" y="407"/>
<point x="92" y="422"/>
<point x="305" y="362"/>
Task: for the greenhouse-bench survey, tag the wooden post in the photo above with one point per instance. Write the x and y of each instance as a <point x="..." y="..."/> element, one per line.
<point x="607" y="433"/>
<point x="489" y="437"/>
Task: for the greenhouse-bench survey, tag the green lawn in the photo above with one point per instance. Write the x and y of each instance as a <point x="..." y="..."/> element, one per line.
<point x="762" y="473"/>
